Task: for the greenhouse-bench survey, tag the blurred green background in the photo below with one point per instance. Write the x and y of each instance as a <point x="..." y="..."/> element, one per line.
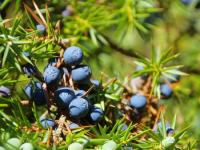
<point x="169" y="24"/>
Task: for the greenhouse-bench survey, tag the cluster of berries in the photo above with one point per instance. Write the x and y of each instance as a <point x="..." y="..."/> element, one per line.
<point x="140" y="101"/>
<point x="65" y="86"/>
<point x="15" y="143"/>
<point x="108" y="145"/>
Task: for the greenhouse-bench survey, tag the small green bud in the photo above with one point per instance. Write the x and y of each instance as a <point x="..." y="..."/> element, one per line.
<point x="13" y="143"/>
<point x="75" y="146"/>
<point x="109" y="145"/>
<point x="2" y="148"/>
<point x="168" y="141"/>
<point x="26" y="146"/>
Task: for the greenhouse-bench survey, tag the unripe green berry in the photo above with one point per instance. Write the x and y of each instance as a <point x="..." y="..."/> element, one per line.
<point x="109" y="145"/>
<point x="75" y="146"/>
<point x="2" y="148"/>
<point x="26" y="146"/>
<point x="13" y="143"/>
<point x="168" y="142"/>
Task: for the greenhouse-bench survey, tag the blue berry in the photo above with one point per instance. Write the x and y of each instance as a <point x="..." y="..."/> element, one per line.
<point x="47" y="122"/>
<point x="138" y="101"/>
<point x="186" y="2"/>
<point x="139" y="68"/>
<point x="52" y="75"/>
<point x="150" y="19"/>
<point x="78" y="108"/>
<point x="96" y="83"/>
<point x="79" y="93"/>
<point x="35" y="92"/>
<point x="128" y="148"/>
<point x="166" y="91"/>
<point x="67" y="12"/>
<point x="123" y="127"/>
<point x="29" y="69"/>
<point x="64" y="96"/>
<point x="167" y="127"/>
<point x="170" y="131"/>
<point x="41" y="28"/>
<point x="22" y="57"/>
<point x="73" y="56"/>
<point x="4" y="91"/>
<point x="73" y="125"/>
<point x="81" y="74"/>
<point x="96" y="114"/>
<point x="27" y="54"/>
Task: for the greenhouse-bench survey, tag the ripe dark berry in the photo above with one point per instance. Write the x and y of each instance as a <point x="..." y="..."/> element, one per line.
<point x="166" y="90"/>
<point x="22" y="57"/>
<point x="29" y="69"/>
<point x="67" y="12"/>
<point x="81" y="74"/>
<point x="78" y="108"/>
<point x="186" y="2"/>
<point x="159" y="126"/>
<point x="73" y="125"/>
<point x="27" y="54"/>
<point x="96" y="83"/>
<point x="84" y="85"/>
<point x="152" y="18"/>
<point x="35" y="92"/>
<point x="4" y="91"/>
<point x="64" y="96"/>
<point x="170" y="131"/>
<point x="96" y="114"/>
<point x="123" y="127"/>
<point x="79" y="93"/>
<point x="52" y="75"/>
<point x="73" y="56"/>
<point x="47" y="123"/>
<point x="138" y="101"/>
<point x="41" y="28"/>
